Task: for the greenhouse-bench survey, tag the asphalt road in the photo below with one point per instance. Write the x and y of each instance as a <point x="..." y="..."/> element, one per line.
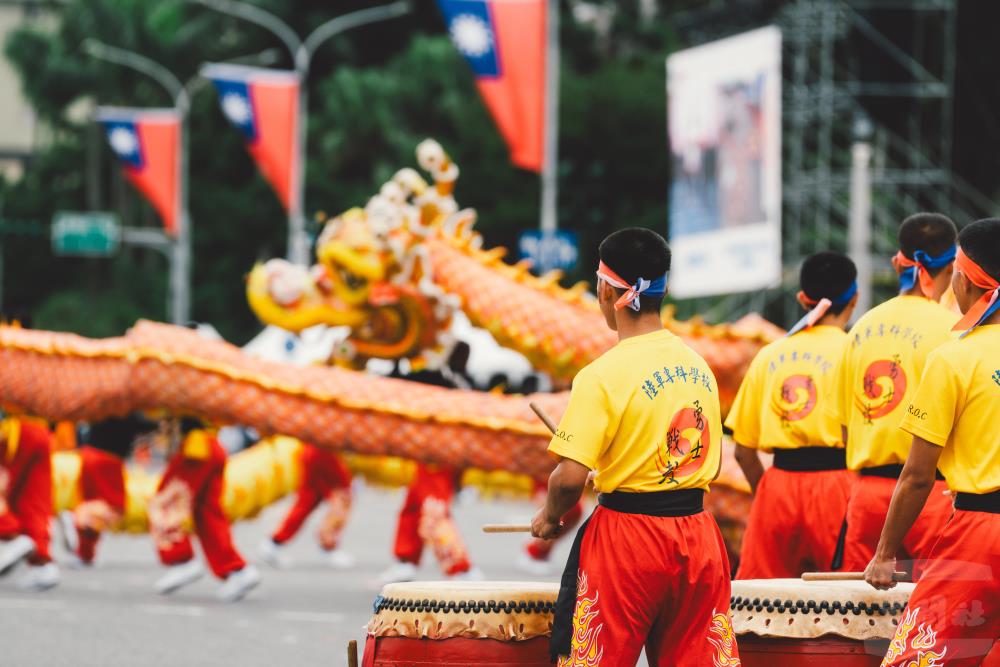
<point x="109" y="616"/>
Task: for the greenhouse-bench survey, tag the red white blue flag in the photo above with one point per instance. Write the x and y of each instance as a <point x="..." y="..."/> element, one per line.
<point x="263" y="104"/>
<point x="147" y="143"/>
<point x="504" y="44"/>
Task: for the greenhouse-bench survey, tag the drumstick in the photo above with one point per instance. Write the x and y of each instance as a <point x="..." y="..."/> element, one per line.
<point x="352" y="653"/>
<point x="549" y="424"/>
<point x="847" y="576"/>
<point x="507" y="528"/>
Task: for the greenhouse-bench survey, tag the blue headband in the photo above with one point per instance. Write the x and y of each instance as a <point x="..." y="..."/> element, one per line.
<point x="910" y="275"/>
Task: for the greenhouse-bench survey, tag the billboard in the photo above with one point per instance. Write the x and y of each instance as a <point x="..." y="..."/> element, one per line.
<point x="724" y="127"/>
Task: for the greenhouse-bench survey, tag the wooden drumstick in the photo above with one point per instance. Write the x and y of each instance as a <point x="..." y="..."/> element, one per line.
<point x="352" y="653"/>
<point x="507" y="528"/>
<point x="549" y="424"/>
<point x="847" y="576"/>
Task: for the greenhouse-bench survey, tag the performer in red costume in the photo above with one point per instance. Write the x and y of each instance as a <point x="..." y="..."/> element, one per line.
<point x="191" y="490"/>
<point x="26" y="500"/>
<point x="325" y="477"/>
<point x="102" y="484"/>
<point x="953" y="615"/>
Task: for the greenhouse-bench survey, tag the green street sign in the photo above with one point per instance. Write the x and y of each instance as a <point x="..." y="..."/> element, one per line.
<point x="93" y="234"/>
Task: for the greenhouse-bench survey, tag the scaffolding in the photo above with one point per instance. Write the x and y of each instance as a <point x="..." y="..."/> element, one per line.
<point x="851" y="70"/>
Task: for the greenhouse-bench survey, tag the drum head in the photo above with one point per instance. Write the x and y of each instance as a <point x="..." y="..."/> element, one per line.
<point x="809" y="609"/>
<point x="504" y="610"/>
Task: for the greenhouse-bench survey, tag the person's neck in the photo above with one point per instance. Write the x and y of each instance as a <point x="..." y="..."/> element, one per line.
<point x="630" y="326"/>
<point x="831" y="320"/>
<point x="913" y="291"/>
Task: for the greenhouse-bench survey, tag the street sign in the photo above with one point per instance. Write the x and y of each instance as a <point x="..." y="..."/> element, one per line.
<point x="549" y="250"/>
<point x="90" y="234"/>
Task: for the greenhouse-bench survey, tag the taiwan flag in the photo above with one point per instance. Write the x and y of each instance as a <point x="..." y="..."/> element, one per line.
<point x="504" y="43"/>
<point x="147" y="143"/>
<point x="263" y="104"/>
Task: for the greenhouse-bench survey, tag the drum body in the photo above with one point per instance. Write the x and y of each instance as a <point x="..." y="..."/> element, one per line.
<point x="495" y="624"/>
<point x="795" y="623"/>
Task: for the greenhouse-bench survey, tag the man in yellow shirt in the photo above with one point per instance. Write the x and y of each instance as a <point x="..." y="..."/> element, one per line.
<point x="649" y="567"/>
<point x="799" y="504"/>
<point x="876" y="379"/>
<point x="953" y="616"/>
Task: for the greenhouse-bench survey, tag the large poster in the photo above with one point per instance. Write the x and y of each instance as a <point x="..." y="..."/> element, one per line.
<point x="724" y="120"/>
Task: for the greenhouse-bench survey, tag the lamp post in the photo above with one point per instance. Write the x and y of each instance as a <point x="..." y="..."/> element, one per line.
<point x="302" y="52"/>
<point x="179" y="248"/>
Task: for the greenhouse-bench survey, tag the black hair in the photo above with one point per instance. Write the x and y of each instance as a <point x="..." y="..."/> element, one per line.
<point x="933" y="233"/>
<point x="827" y="275"/>
<point x="637" y="252"/>
<point x="118" y="434"/>
<point x="980" y="241"/>
<point x="188" y="424"/>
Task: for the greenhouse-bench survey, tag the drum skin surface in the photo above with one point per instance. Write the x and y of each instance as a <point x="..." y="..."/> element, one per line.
<point x="458" y="651"/>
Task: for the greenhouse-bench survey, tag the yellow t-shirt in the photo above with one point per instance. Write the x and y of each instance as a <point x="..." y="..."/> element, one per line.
<point x="645" y="416"/>
<point x="780" y="403"/>
<point x="878" y="374"/>
<point x="957" y="406"/>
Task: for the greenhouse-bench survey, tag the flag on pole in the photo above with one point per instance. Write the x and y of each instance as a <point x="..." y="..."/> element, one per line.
<point x="147" y="143"/>
<point x="263" y="104"/>
<point x="504" y="44"/>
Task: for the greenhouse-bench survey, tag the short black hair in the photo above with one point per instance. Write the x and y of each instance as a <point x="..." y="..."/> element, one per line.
<point x="933" y="233"/>
<point x="827" y="275"/>
<point x="637" y="252"/>
<point x="188" y="424"/>
<point x="980" y="241"/>
<point x="117" y="435"/>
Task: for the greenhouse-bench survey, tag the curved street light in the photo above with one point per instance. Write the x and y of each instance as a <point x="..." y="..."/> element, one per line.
<point x="302" y="52"/>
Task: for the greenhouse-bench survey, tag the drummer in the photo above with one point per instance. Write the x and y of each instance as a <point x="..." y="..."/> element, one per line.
<point x="800" y="503"/>
<point x="649" y="568"/>
<point x="876" y="380"/>
<point x="954" y="613"/>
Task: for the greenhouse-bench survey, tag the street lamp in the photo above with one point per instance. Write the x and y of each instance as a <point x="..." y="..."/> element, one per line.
<point x="302" y="52"/>
<point x="180" y="246"/>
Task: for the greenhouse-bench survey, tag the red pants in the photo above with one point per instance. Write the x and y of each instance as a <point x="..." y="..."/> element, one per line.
<point x="29" y="490"/>
<point x="323" y="473"/>
<point x="953" y="616"/>
<point x="541" y="549"/>
<point x="426" y="518"/>
<point x="658" y="582"/>
<point x="203" y="477"/>
<point x="102" y="478"/>
<point x="794" y="523"/>
<point x="866" y="515"/>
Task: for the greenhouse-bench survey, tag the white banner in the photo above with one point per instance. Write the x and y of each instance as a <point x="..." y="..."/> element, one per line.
<point x="724" y="123"/>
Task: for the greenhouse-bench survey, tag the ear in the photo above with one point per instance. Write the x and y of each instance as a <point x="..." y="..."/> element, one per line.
<point x="801" y="298"/>
<point x="895" y="265"/>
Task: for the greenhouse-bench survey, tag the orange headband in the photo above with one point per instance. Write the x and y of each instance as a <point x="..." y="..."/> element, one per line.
<point x="988" y="303"/>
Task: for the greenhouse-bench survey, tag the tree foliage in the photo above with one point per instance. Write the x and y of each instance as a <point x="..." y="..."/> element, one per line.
<point x="375" y="93"/>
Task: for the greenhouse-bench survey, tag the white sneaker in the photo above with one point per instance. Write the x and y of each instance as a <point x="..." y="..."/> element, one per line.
<point x="40" y="577"/>
<point x="339" y="559"/>
<point x="473" y="574"/>
<point x="273" y="554"/>
<point x="74" y="562"/>
<point x="238" y="584"/>
<point x="14" y="552"/>
<point x="529" y="565"/>
<point x="398" y="572"/>
<point x="178" y="576"/>
<point x="67" y="526"/>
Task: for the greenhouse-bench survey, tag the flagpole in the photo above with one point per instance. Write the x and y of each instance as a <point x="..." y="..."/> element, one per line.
<point x="302" y="52"/>
<point x="180" y="249"/>
<point x="550" y="162"/>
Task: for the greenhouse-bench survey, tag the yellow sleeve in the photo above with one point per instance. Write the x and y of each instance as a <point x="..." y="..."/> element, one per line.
<point x="583" y="431"/>
<point x="744" y="416"/>
<point x="936" y="404"/>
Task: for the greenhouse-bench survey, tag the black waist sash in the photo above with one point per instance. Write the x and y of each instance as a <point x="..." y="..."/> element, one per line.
<point x="892" y="471"/>
<point x="685" y="502"/>
<point x="978" y="502"/>
<point x="810" y="459"/>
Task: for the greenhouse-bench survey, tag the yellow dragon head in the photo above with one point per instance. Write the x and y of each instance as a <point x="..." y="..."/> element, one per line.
<point x="370" y="271"/>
